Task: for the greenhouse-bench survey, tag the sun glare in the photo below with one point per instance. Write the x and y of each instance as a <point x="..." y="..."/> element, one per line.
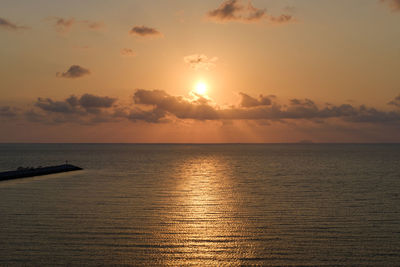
<point x="201" y="88"/>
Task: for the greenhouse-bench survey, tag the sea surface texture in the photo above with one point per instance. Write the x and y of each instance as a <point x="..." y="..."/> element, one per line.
<point x="209" y="205"/>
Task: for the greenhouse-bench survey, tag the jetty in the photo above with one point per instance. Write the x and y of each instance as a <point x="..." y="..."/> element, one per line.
<point x="22" y="172"/>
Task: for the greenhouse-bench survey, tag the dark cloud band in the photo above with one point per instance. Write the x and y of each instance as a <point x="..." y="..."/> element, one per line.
<point x="157" y="106"/>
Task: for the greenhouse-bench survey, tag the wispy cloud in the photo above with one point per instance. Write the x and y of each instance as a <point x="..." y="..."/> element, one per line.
<point x="92" y="25"/>
<point x="75" y="71"/>
<point x="8" y="25"/>
<point x="127" y="52"/>
<point x="63" y="25"/>
<point x="200" y="61"/>
<point x="145" y="31"/>
<point x="284" y="18"/>
<point x="238" y="11"/>
<point x="180" y="16"/>
<point x="233" y="10"/>
<point x="394" y="4"/>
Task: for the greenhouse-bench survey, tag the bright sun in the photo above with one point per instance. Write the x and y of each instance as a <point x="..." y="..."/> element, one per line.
<point x="201" y="88"/>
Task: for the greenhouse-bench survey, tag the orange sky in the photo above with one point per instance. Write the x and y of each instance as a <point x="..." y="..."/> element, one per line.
<point x="127" y="71"/>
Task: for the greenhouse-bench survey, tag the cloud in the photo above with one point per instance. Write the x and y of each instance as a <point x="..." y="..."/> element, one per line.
<point x="180" y="15"/>
<point x="198" y="61"/>
<point x="64" y="25"/>
<point x="150" y="116"/>
<point x="394" y="4"/>
<point x="85" y="109"/>
<point x="5" y="24"/>
<point x="157" y="106"/>
<point x="233" y="10"/>
<point x="75" y="71"/>
<point x="262" y="108"/>
<point x="226" y="11"/>
<point x="7" y="111"/>
<point x="89" y="101"/>
<point x="92" y="25"/>
<point x="178" y="106"/>
<point x="127" y="52"/>
<point x="144" y="31"/>
<point x="32" y="116"/>
<point x="284" y="18"/>
<point x="49" y="105"/>
<point x="238" y="11"/>
<point x="395" y="102"/>
<point x="249" y="101"/>
<point x="86" y="103"/>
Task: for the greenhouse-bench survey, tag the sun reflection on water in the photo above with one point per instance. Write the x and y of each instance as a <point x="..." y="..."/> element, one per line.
<point x="204" y="221"/>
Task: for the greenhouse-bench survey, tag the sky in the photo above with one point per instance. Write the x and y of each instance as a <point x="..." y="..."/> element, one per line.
<point x="177" y="71"/>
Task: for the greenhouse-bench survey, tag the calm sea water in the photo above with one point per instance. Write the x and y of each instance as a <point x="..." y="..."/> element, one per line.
<point x="202" y="205"/>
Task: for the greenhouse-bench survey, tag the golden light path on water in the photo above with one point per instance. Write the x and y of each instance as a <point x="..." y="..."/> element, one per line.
<point x="204" y="217"/>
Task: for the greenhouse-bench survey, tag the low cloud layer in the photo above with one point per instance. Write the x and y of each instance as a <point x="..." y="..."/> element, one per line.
<point x="263" y="108"/>
<point x="393" y="4"/>
<point x="157" y="106"/>
<point x="198" y="61"/>
<point x="240" y="11"/>
<point x="144" y="31"/>
<point x="75" y="71"/>
<point x="8" y="25"/>
<point x="7" y="111"/>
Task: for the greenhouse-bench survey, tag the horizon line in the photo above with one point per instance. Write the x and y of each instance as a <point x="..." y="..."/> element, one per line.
<point x="210" y="143"/>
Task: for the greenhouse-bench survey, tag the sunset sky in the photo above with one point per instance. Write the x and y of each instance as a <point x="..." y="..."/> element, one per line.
<point x="200" y="71"/>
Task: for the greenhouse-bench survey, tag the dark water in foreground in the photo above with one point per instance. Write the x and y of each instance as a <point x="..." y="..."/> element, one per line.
<point x="203" y="205"/>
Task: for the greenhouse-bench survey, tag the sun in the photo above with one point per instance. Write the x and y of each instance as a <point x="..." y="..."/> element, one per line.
<point x="201" y="88"/>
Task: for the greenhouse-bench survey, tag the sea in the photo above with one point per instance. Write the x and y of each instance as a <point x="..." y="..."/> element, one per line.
<point x="202" y="205"/>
